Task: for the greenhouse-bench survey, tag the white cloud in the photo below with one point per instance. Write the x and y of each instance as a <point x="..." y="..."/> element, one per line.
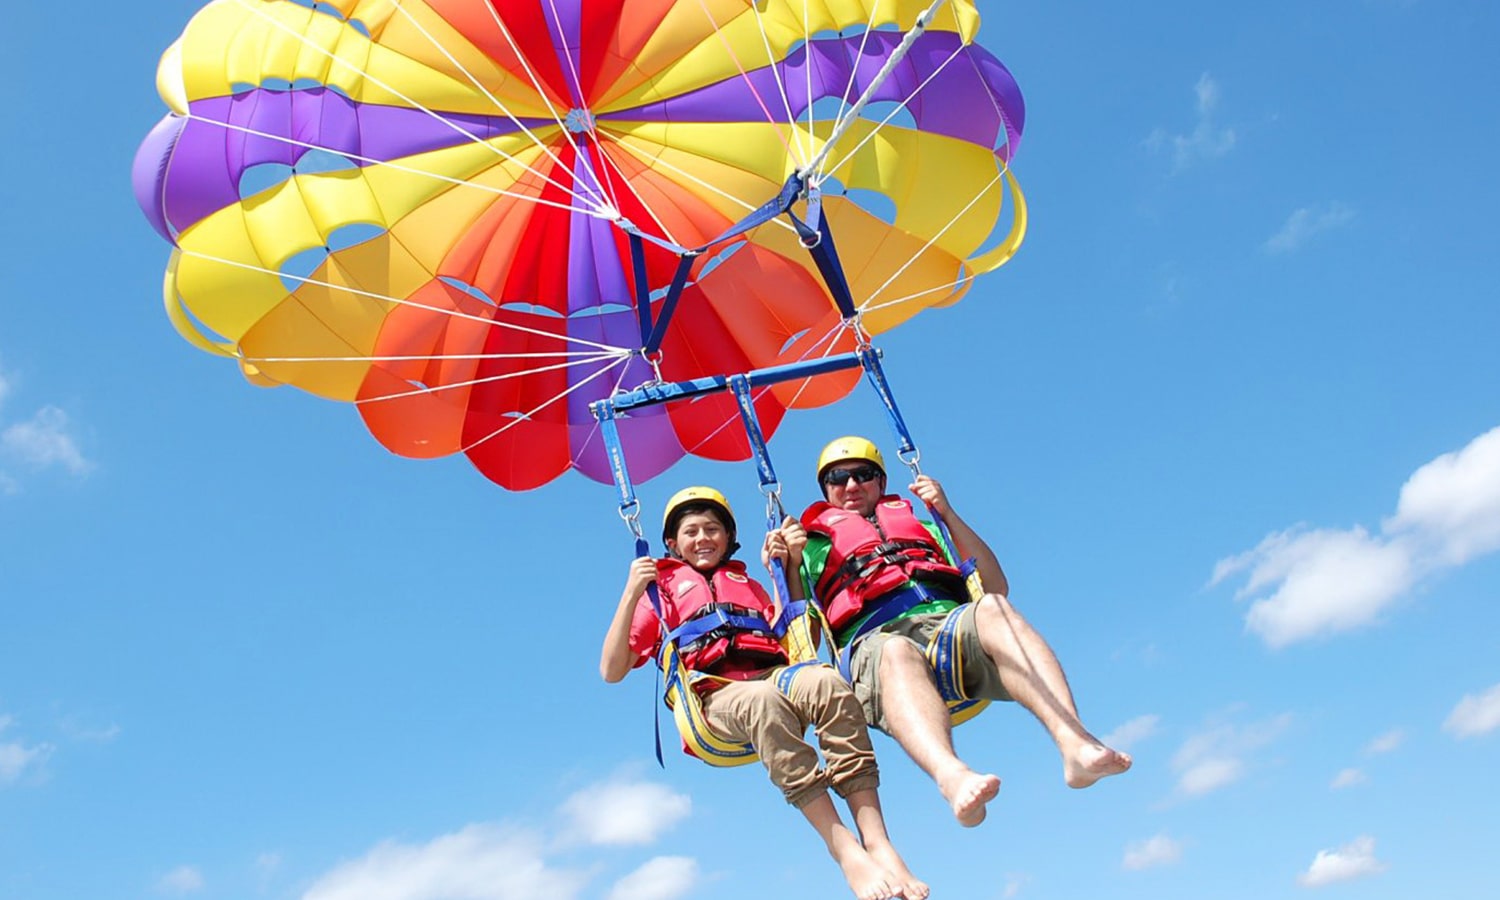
<point x="1132" y="733"/>
<point x="1475" y="714"/>
<point x="1453" y="502"/>
<point x="1386" y="742"/>
<point x="16" y="758"/>
<point x="44" y="440"/>
<point x="1306" y="223"/>
<point x="1207" y="140"/>
<point x="628" y="812"/>
<point x="1013" y="885"/>
<point x="1154" y="851"/>
<point x="4" y="388"/>
<point x="1348" y="778"/>
<point x="1316" y="583"/>
<point x="1220" y="755"/>
<point x="181" y="880"/>
<point x="479" y="862"/>
<point x="1353" y="860"/>
<point x="662" y="878"/>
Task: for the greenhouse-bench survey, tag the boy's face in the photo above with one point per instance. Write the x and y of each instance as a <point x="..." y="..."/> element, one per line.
<point x="701" y="541"/>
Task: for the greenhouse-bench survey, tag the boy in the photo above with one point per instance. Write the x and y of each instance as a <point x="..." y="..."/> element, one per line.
<point x="739" y="692"/>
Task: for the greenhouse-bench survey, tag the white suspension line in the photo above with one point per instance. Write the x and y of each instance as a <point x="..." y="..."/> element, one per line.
<point x="505" y="376"/>
<point x="942" y="288"/>
<point x="527" y="415"/>
<point x="891" y="62"/>
<point x="864" y="39"/>
<point x="433" y="357"/>
<point x="415" y="104"/>
<point x="493" y="323"/>
<point x="655" y="161"/>
<point x="893" y="113"/>
<point x="536" y="84"/>
<point x="744" y="73"/>
<point x="412" y="170"/>
<point x="999" y="176"/>
<point x="543" y="146"/>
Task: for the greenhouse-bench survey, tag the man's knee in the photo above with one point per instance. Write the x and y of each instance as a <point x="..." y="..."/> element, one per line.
<point x="900" y="657"/>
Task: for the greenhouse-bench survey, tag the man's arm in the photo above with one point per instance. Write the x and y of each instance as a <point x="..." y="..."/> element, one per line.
<point x="965" y="539"/>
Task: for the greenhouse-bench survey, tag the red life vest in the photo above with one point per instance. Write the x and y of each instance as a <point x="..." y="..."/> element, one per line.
<point x="869" y="559"/>
<point x="687" y="595"/>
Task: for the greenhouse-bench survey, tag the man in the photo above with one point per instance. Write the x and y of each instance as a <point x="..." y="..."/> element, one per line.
<point x="887" y="586"/>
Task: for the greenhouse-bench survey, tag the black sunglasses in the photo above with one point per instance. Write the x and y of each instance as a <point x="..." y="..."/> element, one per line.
<point x="861" y="474"/>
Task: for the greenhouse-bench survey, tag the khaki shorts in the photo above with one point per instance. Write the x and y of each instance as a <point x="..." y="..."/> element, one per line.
<point x="981" y="679"/>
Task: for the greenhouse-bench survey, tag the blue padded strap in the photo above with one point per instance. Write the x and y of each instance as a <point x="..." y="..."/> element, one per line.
<point x="896" y="603"/>
<point x="669" y="306"/>
<point x="691" y="630"/>
<point x="945" y="656"/>
<point x="642" y="288"/>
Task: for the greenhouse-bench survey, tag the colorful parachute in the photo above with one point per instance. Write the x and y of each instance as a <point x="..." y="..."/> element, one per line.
<point x="452" y="212"/>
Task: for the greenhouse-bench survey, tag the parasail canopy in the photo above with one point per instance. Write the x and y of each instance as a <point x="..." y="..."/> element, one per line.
<point x="473" y="218"/>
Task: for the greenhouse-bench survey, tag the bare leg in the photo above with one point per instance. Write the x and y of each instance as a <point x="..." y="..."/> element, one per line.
<point x="869" y="821"/>
<point x="918" y="719"/>
<point x="867" y="878"/>
<point x="1030" y="672"/>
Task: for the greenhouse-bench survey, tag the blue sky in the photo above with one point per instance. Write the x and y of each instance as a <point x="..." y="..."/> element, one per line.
<point x="1228" y="419"/>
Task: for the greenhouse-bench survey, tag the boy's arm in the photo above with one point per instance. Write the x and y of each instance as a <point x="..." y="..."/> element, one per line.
<point x="786" y="544"/>
<point x="616" y="659"/>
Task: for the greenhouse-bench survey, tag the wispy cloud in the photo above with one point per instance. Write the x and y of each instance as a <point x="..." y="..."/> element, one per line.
<point x="479" y="862"/>
<point x="1160" y="850"/>
<point x="1386" y="743"/>
<point x="663" y="878"/>
<point x="44" y="440"/>
<point x="1222" y="754"/>
<point x="1206" y="140"/>
<point x="1133" y="732"/>
<point x="1353" y="860"/>
<point x="1475" y="714"/>
<point x="1348" y="778"/>
<point x="1306" y="223"/>
<point x="1314" y="583"/>
<point x="493" y="861"/>
<point x="181" y="881"/>
<point x="624" y="812"/>
<point x="17" y="758"/>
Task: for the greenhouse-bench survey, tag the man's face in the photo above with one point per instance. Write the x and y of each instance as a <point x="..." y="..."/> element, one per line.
<point x="855" y="485"/>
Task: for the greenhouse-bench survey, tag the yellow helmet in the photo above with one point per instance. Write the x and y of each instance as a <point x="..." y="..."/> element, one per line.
<point x="846" y="448"/>
<point x="676" y="509"/>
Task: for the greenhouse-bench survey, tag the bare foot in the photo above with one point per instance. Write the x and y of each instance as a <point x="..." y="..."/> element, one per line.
<point x="866" y="877"/>
<point x="1091" y="762"/>
<point x="907" y="884"/>
<point x="968" y="793"/>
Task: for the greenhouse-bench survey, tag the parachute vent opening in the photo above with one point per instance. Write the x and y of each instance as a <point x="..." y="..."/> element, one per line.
<point x="469" y="289"/>
<point x="879" y="205"/>
<point x="533" y="309"/>
<point x="787" y="344"/>
<point x="327" y="9"/>
<point x="298" y="268"/>
<point x="265" y="176"/>
<point x="829" y="109"/>
<point x="603" y="309"/>
<point x="262" y="177"/>
<point x="718" y="259"/>
<point x="879" y="110"/>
